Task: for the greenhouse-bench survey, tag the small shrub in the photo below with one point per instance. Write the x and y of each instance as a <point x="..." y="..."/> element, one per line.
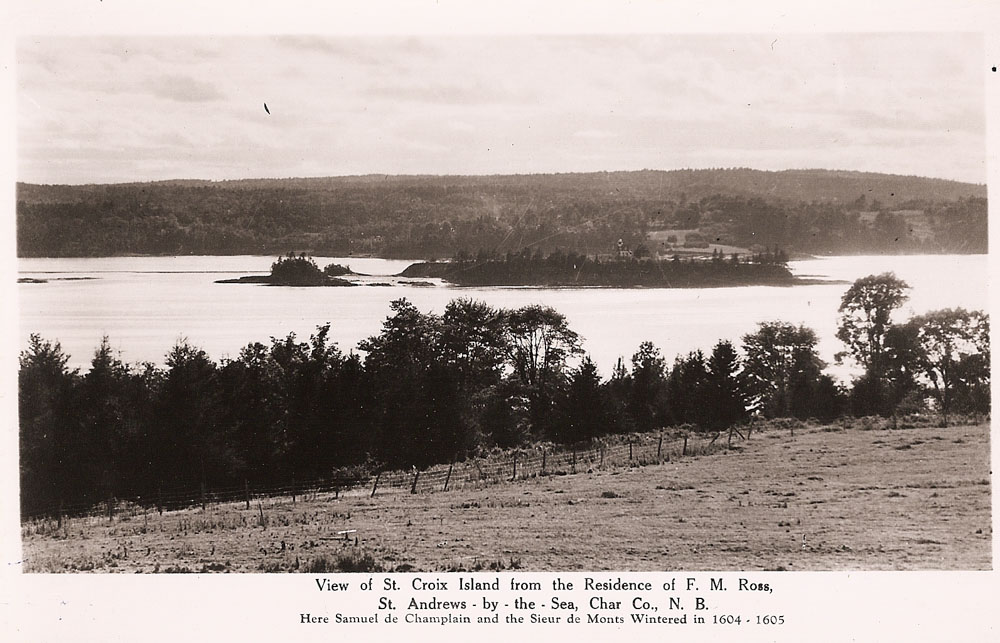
<point x="349" y="562"/>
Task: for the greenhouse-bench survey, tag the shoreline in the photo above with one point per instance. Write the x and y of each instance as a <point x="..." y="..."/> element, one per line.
<point x="794" y="255"/>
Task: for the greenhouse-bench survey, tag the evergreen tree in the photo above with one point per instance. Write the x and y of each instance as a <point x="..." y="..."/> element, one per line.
<point x="647" y="399"/>
<point x="50" y="469"/>
<point x="724" y="397"/>
<point x="686" y="390"/>
<point x="583" y="412"/>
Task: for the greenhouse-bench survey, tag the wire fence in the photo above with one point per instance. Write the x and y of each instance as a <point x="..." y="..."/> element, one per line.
<point x="610" y="452"/>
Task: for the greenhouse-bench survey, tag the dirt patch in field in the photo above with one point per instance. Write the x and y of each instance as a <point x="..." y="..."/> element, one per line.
<point x="823" y="499"/>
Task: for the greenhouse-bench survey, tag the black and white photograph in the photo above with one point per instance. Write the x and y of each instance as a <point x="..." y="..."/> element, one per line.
<point x="464" y="304"/>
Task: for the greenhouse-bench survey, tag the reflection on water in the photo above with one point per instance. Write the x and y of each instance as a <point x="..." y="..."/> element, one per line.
<point x="144" y="304"/>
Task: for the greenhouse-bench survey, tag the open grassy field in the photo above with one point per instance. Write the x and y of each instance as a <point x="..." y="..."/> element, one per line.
<point x="825" y="498"/>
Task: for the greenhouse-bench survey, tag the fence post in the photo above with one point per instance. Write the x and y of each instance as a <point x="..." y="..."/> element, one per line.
<point x="684" y="451"/>
<point x="544" y="453"/>
<point x="514" y="475"/>
<point x="448" y="478"/>
<point x="246" y="492"/>
<point x="416" y="476"/>
<point x="602" y="455"/>
<point x="375" y="486"/>
<point x="574" y="459"/>
<point x="630" y="449"/>
<point x="659" y="447"/>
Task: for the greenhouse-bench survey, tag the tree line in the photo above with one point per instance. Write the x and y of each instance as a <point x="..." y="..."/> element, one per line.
<point x="572" y="269"/>
<point x="435" y="217"/>
<point x="434" y="388"/>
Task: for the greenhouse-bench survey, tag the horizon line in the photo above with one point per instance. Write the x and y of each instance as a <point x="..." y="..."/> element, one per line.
<point x="497" y="174"/>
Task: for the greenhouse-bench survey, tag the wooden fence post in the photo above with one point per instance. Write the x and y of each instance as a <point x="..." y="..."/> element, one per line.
<point x="602" y="455"/>
<point x="659" y="446"/>
<point x="416" y="476"/>
<point x="246" y="492"/>
<point x="514" y="475"/>
<point x="684" y="451"/>
<point x="630" y="449"/>
<point x="375" y="486"/>
<point x="544" y="453"/>
<point x="448" y="478"/>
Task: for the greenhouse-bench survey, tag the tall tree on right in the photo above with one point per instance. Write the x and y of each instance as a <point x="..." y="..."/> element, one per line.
<point x="954" y="355"/>
<point x="865" y="320"/>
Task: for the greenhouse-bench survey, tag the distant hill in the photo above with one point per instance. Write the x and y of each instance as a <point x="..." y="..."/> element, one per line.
<point x="434" y="216"/>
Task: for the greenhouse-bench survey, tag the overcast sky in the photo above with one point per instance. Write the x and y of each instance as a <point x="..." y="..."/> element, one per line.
<point x="127" y="109"/>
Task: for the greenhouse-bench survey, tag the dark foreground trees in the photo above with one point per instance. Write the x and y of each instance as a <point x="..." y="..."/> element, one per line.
<point x="783" y="373"/>
<point x="953" y="354"/>
<point x="942" y="355"/>
<point x="429" y="388"/>
<point x="865" y="320"/>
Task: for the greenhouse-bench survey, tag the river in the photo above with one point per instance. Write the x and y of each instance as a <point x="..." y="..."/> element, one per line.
<point x="145" y="304"/>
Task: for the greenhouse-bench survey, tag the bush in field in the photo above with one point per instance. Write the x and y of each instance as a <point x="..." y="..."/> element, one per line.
<point x="347" y="562"/>
<point x="353" y="474"/>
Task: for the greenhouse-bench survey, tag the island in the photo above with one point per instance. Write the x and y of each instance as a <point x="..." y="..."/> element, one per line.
<point x="300" y="270"/>
<point x="573" y="270"/>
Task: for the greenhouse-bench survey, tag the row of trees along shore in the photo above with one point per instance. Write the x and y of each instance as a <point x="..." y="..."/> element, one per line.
<point x="433" y="388"/>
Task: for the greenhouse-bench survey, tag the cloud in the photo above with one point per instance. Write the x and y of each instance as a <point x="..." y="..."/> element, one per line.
<point x="327" y="46"/>
<point x="363" y="104"/>
<point x="365" y="51"/>
<point x="449" y="94"/>
<point x="183" y="89"/>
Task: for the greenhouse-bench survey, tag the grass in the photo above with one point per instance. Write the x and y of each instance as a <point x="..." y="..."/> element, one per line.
<point x="859" y="500"/>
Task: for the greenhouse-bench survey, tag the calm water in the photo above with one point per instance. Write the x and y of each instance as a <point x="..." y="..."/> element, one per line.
<point x="144" y="304"/>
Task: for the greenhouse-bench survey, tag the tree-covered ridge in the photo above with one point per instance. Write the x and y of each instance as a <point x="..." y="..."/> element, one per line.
<point x="433" y="388"/>
<point x="813" y="211"/>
